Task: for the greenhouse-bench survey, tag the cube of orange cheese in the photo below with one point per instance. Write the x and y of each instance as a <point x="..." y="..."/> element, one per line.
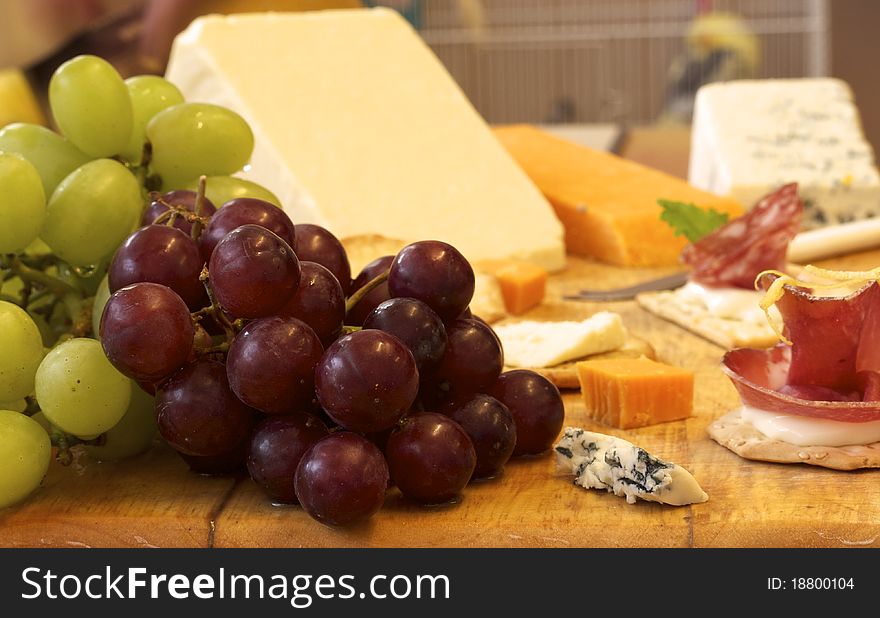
<point x="523" y="284"/>
<point x="607" y="204"/>
<point x="635" y="392"/>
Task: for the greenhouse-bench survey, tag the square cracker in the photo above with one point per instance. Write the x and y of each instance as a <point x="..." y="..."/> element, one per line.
<point x="743" y="439"/>
<point x="695" y="317"/>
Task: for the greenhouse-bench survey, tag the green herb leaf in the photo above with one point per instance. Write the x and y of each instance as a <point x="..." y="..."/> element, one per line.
<point x="691" y="221"/>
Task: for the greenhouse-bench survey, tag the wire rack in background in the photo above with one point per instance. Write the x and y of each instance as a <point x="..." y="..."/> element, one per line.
<point x="574" y="61"/>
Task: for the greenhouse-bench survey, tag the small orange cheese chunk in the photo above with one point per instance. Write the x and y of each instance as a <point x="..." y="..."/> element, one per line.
<point x="635" y="392"/>
<point x="522" y="283"/>
<point x="607" y="204"/>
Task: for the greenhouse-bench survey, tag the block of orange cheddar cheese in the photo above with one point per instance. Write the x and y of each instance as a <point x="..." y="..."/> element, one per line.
<point x="635" y="392"/>
<point x="523" y="284"/>
<point x="608" y="205"/>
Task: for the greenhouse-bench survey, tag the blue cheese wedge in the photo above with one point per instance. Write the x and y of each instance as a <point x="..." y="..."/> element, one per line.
<point x="545" y="344"/>
<point x="750" y="136"/>
<point x="600" y="461"/>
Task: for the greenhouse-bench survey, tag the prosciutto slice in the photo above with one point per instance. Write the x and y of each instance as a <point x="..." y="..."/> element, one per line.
<point x="734" y="254"/>
<point x="832" y="367"/>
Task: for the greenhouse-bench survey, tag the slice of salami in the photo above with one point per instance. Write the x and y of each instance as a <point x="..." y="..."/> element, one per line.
<point x="734" y="254"/>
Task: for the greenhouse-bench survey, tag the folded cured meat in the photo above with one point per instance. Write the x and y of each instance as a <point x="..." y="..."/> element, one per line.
<point x="815" y="398"/>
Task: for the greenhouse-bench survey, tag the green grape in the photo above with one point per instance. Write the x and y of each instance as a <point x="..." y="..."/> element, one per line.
<point x="191" y="139"/>
<point x="101" y="298"/>
<point x="78" y="389"/>
<point x="38" y="247"/>
<point x="21" y="350"/>
<point x="150" y="94"/>
<point x="25" y="453"/>
<point x="22" y="203"/>
<point x="52" y="155"/>
<point x="16" y="405"/>
<point x="221" y="189"/>
<point x="91" y="106"/>
<point x="133" y="434"/>
<point x="91" y="212"/>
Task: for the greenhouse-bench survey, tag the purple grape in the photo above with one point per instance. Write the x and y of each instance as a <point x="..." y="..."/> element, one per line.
<point x="276" y="448"/>
<point x="472" y="362"/>
<point x="225" y="463"/>
<point x="415" y="324"/>
<point x="253" y="272"/>
<point x="316" y="244"/>
<point x="180" y="197"/>
<point x="164" y="255"/>
<point x="536" y="406"/>
<point x="318" y="301"/>
<point x="491" y="428"/>
<point x="435" y="273"/>
<point x="367" y="381"/>
<point x="244" y="211"/>
<point x="146" y="331"/>
<point x="197" y="412"/>
<point x="374" y="297"/>
<point x="341" y="479"/>
<point x="430" y="458"/>
<point x="271" y="365"/>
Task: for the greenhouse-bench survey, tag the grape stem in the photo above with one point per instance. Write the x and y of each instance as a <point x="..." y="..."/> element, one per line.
<point x="373" y="283"/>
<point x="196" y="230"/>
<point x="216" y="311"/>
<point x="64" y="441"/>
<point x="30" y="275"/>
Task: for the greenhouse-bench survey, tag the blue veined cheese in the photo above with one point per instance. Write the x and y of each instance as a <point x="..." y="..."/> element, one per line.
<point x="751" y="136"/>
<point x="600" y="461"/>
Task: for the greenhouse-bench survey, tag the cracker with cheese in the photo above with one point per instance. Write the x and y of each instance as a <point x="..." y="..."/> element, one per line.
<point x="719" y="302"/>
<point x="686" y="308"/>
<point x="744" y="439"/>
<point x="553" y="348"/>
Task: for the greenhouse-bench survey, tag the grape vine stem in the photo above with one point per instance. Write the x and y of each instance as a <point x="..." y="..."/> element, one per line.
<point x="373" y="283"/>
<point x="58" y="287"/>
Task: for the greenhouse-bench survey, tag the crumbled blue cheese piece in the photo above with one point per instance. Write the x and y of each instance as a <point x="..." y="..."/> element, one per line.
<point x="599" y="461"/>
<point x="751" y="136"/>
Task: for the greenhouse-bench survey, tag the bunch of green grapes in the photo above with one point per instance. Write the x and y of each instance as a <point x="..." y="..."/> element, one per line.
<point x="68" y="199"/>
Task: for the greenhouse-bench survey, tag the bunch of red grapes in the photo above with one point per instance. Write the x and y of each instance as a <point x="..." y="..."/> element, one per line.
<point x="261" y="349"/>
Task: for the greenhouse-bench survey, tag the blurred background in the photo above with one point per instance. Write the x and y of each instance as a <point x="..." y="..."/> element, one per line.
<point x="619" y="74"/>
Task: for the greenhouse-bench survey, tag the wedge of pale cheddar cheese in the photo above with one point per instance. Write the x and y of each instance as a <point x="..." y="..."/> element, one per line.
<point x="359" y="127"/>
<point x="607" y="204"/>
<point x="635" y="392"/>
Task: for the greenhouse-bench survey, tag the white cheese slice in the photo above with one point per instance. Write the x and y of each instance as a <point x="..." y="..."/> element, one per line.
<point x="599" y="461"/>
<point x="726" y="302"/>
<point x="806" y="431"/>
<point x="360" y="128"/>
<point x="544" y="344"/>
<point x="751" y="136"/>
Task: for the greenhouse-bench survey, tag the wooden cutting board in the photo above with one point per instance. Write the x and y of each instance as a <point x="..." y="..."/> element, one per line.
<point x="153" y="500"/>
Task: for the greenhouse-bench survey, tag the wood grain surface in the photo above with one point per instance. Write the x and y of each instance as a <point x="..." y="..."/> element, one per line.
<point x="153" y="500"/>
